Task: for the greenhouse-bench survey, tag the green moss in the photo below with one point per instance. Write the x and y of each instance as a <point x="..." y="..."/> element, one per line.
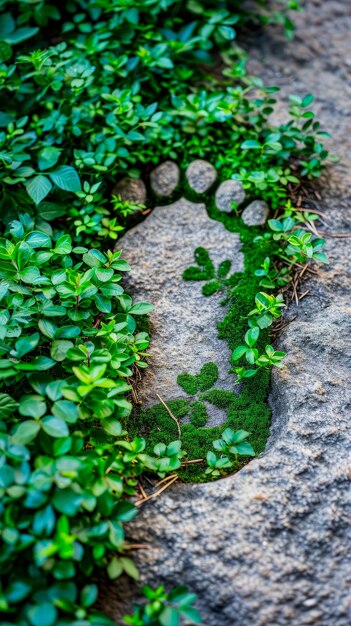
<point x="212" y="287"/>
<point x="188" y="383"/>
<point x="198" y="414"/>
<point x="205" y="269"/>
<point x="246" y="410"/>
<point x="200" y="382"/>
<point x="207" y="377"/>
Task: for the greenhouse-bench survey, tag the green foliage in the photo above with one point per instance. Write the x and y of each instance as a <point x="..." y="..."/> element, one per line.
<point x="164" y="609"/>
<point x="297" y="245"/>
<point x="206" y="271"/>
<point x="200" y="382"/>
<point x="234" y="443"/>
<point x="230" y="444"/>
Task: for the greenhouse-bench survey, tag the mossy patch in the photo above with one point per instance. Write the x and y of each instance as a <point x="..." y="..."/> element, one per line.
<point x="248" y="410"/>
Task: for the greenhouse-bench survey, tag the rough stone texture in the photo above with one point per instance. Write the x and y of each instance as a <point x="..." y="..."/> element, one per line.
<point x="131" y="189"/>
<point x="228" y="192"/>
<point x="271" y="545"/>
<point x="184" y="322"/>
<point x="256" y="213"/>
<point x="165" y="178"/>
<point x="200" y="175"/>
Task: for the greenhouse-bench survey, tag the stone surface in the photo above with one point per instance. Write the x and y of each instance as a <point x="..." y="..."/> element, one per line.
<point x="131" y="189"/>
<point x="184" y="322"/>
<point x="228" y="192"/>
<point x="165" y="178"/>
<point x="256" y="213"/>
<point x="270" y="546"/>
<point x="200" y="175"/>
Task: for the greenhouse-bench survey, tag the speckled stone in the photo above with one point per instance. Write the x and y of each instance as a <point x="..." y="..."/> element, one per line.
<point x="131" y="189"/>
<point x="164" y="178"/>
<point x="200" y="175"/>
<point x="228" y="192"/>
<point x="184" y="321"/>
<point x="256" y="213"/>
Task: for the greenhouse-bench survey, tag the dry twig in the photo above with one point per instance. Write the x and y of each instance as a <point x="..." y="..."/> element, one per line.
<point x="170" y="414"/>
<point x="157" y="493"/>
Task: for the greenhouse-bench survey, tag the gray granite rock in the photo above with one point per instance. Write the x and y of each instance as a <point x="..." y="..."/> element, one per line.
<point x="270" y="546"/>
<point x="228" y="192"/>
<point x="200" y="175"/>
<point x="184" y="321"/>
<point x="256" y="213"/>
<point x="164" y="178"/>
<point x="131" y="189"/>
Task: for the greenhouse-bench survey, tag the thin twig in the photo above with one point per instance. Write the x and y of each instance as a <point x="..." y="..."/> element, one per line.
<point x="167" y="478"/>
<point x="138" y="546"/>
<point x="305" y="293"/>
<point x="303" y="270"/>
<point x="193" y="461"/>
<point x="98" y="320"/>
<point x="143" y="492"/>
<point x="157" y="493"/>
<point x="170" y="414"/>
<point x="302" y="210"/>
<point x="295" y="293"/>
<point x="335" y="234"/>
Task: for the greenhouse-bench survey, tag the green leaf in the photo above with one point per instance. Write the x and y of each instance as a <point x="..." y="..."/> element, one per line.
<point x="47" y="328"/>
<point x="67" y="501"/>
<point x="112" y="426"/>
<point x="103" y="274"/>
<point x="239" y="352"/>
<point x="276" y="225"/>
<point x="65" y="177"/>
<point x="42" y="615"/>
<point x="244" y="449"/>
<point x="59" y="349"/>
<point x="48" y="157"/>
<point x="38" y="364"/>
<point x="30" y="275"/>
<point x="174" y="447"/>
<point x="55" y="426"/>
<point x="7" y="405"/>
<point x="252" y="335"/>
<point x="141" y="308"/>
<point x="239" y="436"/>
<point x="66" y="410"/>
<point x="114" y="568"/>
<point x="88" y="595"/>
<point x="26" y="432"/>
<point x="38" y="188"/>
<point x="250" y="144"/>
<point x="25" y="345"/>
<point x="20" y="34"/>
<point x="37" y="239"/>
<point x="130" y="568"/>
<point x="32" y="406"/>
<point x="103" y="303"/>
<point x="169" y="617"/>
<point x="63" y="245"/>
<point x="94" y="258"/>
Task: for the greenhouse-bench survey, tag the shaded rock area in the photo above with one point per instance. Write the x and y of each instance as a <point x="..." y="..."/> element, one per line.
<point x="270" y="546"/>
<point x="228" y="192"/>
<point x="184" y="321"/>
<point x="165" y="178"/>
<point x="130" y="189"/>
<point x="256" y="213"/>
<point x="200" y="175"/>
